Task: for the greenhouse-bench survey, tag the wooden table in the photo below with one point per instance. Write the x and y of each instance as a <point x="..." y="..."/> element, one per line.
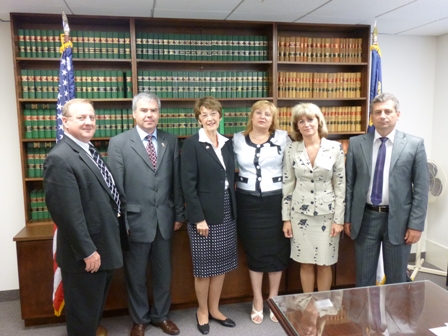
<point x="410" y="308"/>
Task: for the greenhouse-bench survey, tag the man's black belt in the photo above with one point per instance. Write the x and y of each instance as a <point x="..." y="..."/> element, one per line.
<point x="379" y="208"/>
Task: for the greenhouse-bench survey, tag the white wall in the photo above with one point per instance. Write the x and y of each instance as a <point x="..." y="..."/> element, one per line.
<point x="437" y="234"/>
<point x="409" y="72"/>
<point x="408" y="64"/>
<point x="12" y="217"/>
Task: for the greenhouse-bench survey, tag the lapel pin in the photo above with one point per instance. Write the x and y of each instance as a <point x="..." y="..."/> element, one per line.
<point x="163" y="144"/>
<point x="207" y="147"/>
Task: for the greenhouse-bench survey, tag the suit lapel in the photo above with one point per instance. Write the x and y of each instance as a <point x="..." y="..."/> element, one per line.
<point x="302" y="156"/>
<point x="209" y="149"/>
<point x="367" y="150"/>
<point x="161" y="147"/>
<point x="322" y="153"/>
<point x="397" y="149"/>
<point x="137" y="145"/>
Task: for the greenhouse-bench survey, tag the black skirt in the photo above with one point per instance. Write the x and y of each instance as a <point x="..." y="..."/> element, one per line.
<point x="260" y="230"/>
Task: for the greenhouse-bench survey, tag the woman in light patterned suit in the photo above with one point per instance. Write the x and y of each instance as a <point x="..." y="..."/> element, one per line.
<point x="313" y="196"/>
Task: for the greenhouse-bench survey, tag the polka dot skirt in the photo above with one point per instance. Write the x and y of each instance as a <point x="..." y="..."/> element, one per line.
<point x="216" y="254"/>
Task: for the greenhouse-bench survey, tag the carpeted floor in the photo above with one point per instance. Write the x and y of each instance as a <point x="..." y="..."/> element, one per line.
<point x="11" y="323"/>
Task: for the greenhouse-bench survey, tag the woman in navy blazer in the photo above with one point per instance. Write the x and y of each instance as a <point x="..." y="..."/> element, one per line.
<point x="208" y="184"/>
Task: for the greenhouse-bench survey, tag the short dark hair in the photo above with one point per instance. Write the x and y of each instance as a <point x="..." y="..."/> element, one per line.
<point x="208" y="102"/>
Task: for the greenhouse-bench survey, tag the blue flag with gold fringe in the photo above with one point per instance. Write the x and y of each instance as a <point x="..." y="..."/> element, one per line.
<point x="376" y="80"/>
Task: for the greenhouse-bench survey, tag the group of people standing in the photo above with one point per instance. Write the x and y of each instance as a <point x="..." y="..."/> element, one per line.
<point x="292" y="200"/>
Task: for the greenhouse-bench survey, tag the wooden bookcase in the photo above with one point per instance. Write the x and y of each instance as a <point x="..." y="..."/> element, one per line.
<point x="230" y="69"/>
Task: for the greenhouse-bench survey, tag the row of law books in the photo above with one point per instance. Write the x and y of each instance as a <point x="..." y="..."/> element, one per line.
<point x="39" y="121"/>
<point x="38" y="208"/>
<point x="317" y="49"/>
<point x="44" y="43"/>
<point x="39" y="84"/>
<point x="339" y="119"/>
<point x="182" y="122"/>
<point x="196" y="84"/>
<point x="201" y="47"/>
<point x="319" y="85"/>
<point x="91" y="84"/>
<point x="103" y="84"/>
<point x="343" y="119"/>
<point x="36" y="153"/>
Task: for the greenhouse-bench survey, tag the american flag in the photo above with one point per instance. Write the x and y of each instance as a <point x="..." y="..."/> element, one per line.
<point x="66" y="93"/>
<point x="66" y="87"/>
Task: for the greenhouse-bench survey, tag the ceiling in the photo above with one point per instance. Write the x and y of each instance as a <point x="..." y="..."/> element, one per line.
<point x="393" y="17"/>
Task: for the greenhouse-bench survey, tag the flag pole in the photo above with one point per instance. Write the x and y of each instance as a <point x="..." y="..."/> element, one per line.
<point x="66" y="92"/>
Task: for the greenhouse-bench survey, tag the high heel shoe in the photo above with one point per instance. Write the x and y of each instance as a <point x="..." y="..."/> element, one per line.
<point x="226" y="323"/>
<point x="256" y="313"/>
<point x="204" y="328"/>
<point x="272" y="316"/>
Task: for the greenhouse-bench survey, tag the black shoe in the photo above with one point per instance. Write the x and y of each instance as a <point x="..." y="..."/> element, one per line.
<point x="226" y="323"/>
<point x="204" y="329"/>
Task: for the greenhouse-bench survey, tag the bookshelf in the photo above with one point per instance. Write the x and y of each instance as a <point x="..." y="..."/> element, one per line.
<point x="179" y="60"/>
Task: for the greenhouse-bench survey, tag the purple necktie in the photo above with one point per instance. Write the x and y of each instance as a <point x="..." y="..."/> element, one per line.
<point x="150" y="149"/>
<point x="377" y="186"/>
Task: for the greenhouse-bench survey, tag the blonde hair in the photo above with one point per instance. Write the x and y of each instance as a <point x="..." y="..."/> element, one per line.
<point x="310" y="111"/>
<point x="257" y="106"/>
<point x="66" y="107"/>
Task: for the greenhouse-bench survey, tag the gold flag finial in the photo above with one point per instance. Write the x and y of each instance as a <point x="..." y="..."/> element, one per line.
<point x="375" y="35"/>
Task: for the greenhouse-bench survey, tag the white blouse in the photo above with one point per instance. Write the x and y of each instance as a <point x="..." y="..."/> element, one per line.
<point x="260" y="166"/>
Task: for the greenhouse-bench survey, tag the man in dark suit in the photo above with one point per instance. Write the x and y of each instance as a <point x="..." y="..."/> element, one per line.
<point x="386" y="194"/>
<point x="86" y="211"/>
<point x="145" y="164"/>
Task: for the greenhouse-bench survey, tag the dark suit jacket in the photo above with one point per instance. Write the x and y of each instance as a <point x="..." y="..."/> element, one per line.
<point x="408" y="184"/>
<point x="82" y="207"/>
<point x="203" y="179"/>
<point x="152" y="197"/>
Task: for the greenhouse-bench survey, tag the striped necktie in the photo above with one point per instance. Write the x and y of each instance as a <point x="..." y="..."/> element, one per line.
<point x="106" y="174"/>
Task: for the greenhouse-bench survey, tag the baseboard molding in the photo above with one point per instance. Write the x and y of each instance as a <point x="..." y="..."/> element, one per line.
<point x="436" y="255"/>
<point x="412" y="256"/>
<point x="10" y="295"/>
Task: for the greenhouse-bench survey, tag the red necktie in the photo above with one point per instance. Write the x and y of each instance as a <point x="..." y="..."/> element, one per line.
<point x="150" y="149"/>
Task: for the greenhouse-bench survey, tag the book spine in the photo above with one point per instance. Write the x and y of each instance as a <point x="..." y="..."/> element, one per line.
<point x="21" y="40"/>
<point x="121" y="46"/>
<point x="128" y="87"/>
<point x="103" y="45"/>
<point x="108" y="84"/>
<point x="31" y="84"/>
<point x="115" y="44"/>
<point x="120" y="81"/>
<point x="97" y="45"/>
